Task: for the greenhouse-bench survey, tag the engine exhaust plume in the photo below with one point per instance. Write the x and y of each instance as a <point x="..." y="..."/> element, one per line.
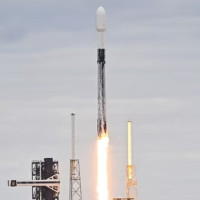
<point x="102" y="167"/>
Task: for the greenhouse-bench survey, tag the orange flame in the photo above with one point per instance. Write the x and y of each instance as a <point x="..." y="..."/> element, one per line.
<point x="102" y="160"/>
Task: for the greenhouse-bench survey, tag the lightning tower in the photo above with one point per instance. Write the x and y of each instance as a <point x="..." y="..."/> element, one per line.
<point x="75" y="192"/>
<point x="131" y="181"/>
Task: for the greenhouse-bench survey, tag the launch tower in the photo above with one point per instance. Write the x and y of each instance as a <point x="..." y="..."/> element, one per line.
<point x="45" y="180"/>
<point x="75" y="192"/>
<point x="131" y="181"/>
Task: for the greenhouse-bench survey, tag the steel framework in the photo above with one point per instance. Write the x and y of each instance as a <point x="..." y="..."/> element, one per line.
<point x="75" y="180"/>
<point x="131" y="180"/>
<point x="45" y="180"/>
<point x="131" y="183"/>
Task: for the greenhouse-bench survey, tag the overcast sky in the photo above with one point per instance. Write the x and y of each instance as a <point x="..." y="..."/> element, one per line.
<point x="48" y="70"/>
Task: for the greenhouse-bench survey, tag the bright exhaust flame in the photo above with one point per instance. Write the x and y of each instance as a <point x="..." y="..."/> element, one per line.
<point x="102" y="160"/>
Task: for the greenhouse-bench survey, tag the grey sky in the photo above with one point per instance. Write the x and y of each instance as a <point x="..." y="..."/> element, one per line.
<point x="48" y="70"/>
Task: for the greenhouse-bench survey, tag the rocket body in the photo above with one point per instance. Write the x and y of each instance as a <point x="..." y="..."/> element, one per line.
<point x="101" y="28"/>
<point x="101" y="122"/>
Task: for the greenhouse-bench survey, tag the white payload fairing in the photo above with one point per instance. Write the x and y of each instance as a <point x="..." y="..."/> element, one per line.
<point x="101" y="28"/>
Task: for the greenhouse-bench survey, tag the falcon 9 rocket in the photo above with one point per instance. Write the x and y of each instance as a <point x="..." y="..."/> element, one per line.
<point x="101" y="28"/>
<point x="103" y="139"/>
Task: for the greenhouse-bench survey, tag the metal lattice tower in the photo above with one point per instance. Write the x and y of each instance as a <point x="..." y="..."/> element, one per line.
<point x="131" y="180"/>
<point x="75" y="192"/>
<point x="75" y="180"/>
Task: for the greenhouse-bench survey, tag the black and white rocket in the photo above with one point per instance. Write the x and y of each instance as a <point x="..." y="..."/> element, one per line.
<point x="101" y="28"/>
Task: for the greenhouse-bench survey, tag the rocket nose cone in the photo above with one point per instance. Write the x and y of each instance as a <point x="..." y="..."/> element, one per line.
<point x="101" y="11"/>
<point x="100" y="19"/>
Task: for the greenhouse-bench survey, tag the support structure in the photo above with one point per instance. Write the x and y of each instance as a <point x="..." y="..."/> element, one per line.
<point x="75" y="192"/>
<point x="45" y="180"/>
<point x="75" y="180"/>
<point x="131" y="181"/>
<point x="73" y="135"/>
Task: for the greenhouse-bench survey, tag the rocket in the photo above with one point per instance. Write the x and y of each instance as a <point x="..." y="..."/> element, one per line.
<point x="101" y="28"/>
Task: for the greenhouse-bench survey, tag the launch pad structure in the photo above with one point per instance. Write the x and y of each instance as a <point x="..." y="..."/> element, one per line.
<point x="75" y="192"/>
<point x="45" y="180"/>
<point x="131" y="180"/>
